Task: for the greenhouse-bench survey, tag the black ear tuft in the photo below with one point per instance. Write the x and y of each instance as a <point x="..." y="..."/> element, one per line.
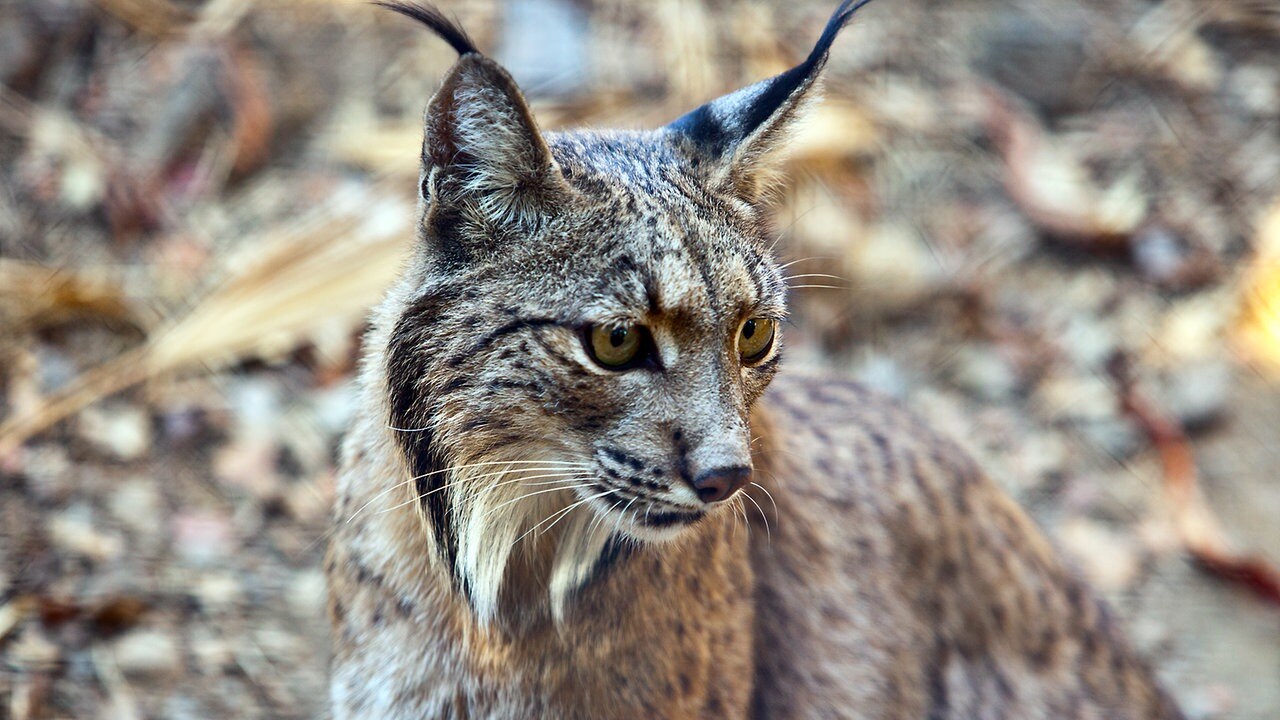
<point x="486" y="169"/>
<point x="738" y="128"/>
<point x="838" y="20"/>
<point x="447" y="29"/>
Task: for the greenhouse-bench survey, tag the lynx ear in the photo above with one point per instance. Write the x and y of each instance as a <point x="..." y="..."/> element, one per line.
<point x="733" y="136"/>
<point x="483" y="149"/>
<point x="486" y="169"/>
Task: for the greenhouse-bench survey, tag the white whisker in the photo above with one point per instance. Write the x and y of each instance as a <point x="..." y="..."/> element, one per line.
<point x="816" y="275"/>
<point x="769" y="495"/>
<point x="741" y="507"/>
<point x="419" y="499"/>
<point x="526" y="496"/>
<point x="617" y="522"/>
<point x="786" y="265"/>
<point x="783" y="233"/>
<point x="768" y="533"/>
<point x="404" y="483"/>
<point x="560" y="514"/>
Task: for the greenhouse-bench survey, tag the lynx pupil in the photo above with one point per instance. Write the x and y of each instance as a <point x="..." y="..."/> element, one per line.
<point x="755" y="339"/>
<point x="615" y="348"/>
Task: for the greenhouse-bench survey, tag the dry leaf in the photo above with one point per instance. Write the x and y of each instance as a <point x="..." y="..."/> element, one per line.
<point x="287" y="282"/>
<point x="33" y="295"/>
<point x="1053" y="187"/>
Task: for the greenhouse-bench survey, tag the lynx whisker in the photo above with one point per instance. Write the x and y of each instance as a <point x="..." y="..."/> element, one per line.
<point x="625" y="509"/>
<point x="787" y="230"/>
<point x="786" y="265"/>
<point x="411" y="501"/>
<point x="560" y="477"/>
<point x="505" y="503"/>
<point x="739" y="511"/>
<point x="596" y="522"/>
<point x="599" y="520"/>
<point x="409" y="481"/>
<point x="557" y="517"/>
<point x="817" y="275"/>
<point x="768" y="533"/>
<point x="769" y="495"/>
<point x="563" y="512"/>
<point x="734" y="515"/>
<point x="473" y="478"/>
<point x="468" y="466"/>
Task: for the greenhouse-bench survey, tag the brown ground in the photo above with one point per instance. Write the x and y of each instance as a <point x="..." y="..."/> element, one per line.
<point x="1017" y="198"/>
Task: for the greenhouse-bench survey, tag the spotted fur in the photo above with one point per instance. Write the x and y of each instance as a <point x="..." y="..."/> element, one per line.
<point x="518" y="530"/>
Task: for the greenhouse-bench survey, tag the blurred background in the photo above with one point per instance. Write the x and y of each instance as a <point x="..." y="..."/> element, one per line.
<point x="1053" y="228"/>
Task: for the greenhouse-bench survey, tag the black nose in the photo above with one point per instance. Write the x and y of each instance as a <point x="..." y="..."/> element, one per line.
<point x="719" y="483"/>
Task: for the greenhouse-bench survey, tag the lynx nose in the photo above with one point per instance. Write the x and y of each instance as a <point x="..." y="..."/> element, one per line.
<point x="719" y="484"/>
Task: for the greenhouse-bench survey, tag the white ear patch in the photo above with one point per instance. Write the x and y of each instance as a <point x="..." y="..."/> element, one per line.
<point x="502" y="162"/>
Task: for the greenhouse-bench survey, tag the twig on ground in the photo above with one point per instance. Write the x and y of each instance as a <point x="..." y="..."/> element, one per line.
<point x="1197" y="527"/>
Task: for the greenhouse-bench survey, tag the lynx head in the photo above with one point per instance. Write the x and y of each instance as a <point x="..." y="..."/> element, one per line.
<point x="587" y="322"/>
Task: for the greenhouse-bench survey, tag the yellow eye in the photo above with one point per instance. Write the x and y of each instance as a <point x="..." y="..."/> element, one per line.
<point x="755" y="340"/>
<point x="614" y="347"/>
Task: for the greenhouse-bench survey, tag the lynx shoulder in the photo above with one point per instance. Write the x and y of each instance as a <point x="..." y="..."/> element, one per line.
<point x="552" y="503"/>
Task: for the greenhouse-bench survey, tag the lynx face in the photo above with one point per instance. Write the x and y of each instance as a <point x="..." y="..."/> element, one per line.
<point x="627" y="340"/>
<point x="587" y="323"/>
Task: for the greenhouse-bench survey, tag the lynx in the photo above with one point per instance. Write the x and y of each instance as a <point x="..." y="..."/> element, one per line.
<point x="568" y="406"/>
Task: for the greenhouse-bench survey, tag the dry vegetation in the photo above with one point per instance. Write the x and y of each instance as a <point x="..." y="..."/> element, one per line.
<point x="1052" y="227"/>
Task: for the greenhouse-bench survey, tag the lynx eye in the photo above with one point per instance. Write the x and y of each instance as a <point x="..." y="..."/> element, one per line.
<point x="755" y="340"/>
<point x="616" y="347"/>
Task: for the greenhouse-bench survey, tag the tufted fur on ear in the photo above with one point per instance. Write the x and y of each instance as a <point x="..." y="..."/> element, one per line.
<point x="486" y="169"/>
<point x="733" y="138"/>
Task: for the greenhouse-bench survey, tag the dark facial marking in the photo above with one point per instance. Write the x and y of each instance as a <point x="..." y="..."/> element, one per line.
<point x="517" y="325"/>
<point x="667" y="519"/>
<point x="407" y="365"/>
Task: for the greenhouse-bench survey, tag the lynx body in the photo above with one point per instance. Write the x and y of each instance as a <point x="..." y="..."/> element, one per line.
<point x="568" y="409"/>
